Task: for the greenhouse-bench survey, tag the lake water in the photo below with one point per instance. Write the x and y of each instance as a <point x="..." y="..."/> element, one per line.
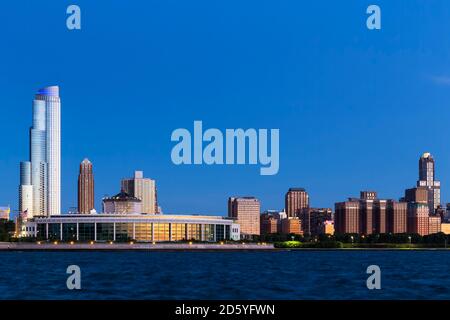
<point x="225" y="275"/>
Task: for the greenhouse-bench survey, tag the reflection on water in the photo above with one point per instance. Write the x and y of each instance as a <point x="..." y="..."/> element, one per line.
<point x="225" y="275"/>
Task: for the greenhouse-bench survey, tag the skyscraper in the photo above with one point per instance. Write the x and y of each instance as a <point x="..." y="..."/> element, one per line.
<point x="296" y="200"/>
<point x="246" y="211"/>
<point x="142" y="188"/>
<point x="50" y="95"/>
<point x="26" y="189"/>
<point x="42" y="174"/>
<point x="85" y="187"/>
<point x="427" y="179"/>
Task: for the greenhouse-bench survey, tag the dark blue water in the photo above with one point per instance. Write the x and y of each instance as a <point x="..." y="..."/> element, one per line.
<point x="226" y="275"/>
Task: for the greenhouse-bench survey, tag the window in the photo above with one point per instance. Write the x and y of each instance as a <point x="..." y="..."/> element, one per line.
<point x="161" y="232"/>
<point x="194" y="232"/>
<point x="86" y="231"/>
<point x="41" y="231"/>
<point x="143" y="231"/>
<point x="54" y="231"/>
<point x="178" y="231"/>
<point x="105" y="231"/>
<point x="69" y="232"/>
<point x="124" y="232"/>
<point x="208" y="231"/>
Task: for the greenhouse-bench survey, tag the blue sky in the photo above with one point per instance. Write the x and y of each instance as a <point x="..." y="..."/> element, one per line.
<point x="355" y="108"/>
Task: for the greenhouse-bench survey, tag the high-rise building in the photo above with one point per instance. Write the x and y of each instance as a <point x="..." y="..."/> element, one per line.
<point x="369" y="215"/>
<point x="26" y="189"/>
<point x="346" y="215"/>
<point x="144" y="189"/>
<point x="42" y="174"/>
<point x="246" y="211"/>
<point x="427" y="179"/>
<point x="50" y="96"/>
<point x="296" y="200"/>
<point x="85" y="187"/>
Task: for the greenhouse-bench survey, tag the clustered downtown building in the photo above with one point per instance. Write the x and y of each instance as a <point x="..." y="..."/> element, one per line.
<point x="417" y="212"/>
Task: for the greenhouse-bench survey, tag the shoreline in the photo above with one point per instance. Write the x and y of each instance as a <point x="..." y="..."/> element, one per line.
<point x="13" y="246"/>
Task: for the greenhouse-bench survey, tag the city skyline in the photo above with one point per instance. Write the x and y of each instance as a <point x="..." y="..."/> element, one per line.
<point x="35" y="193"/>
<point x="331" y="86"/>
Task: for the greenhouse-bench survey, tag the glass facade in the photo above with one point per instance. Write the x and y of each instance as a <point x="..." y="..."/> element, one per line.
<point x="124" y="232"/>
<point x="86" y="231"/>
<point x="209" y="232"/>
<point x="143" y="231"/>
<point x="220" y="232"/>
<point x="161" y="232"/>
<point x="54" y="231"/>
<point x="41" y="231"/>
<point x="194" y="232"/>
<point x="105" y="231"/>
<point x="178" y="231"/>
<point x="69" y="232"/>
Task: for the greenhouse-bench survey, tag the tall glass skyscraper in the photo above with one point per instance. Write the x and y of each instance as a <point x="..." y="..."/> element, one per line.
<point x="44" y="173"/>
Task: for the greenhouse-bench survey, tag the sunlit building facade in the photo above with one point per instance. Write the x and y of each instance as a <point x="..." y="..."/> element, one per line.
<point x="137" y="227"/>
<point x="328" y="227"/>
<point x="369" y="215"/>
<point x="296" y="200"/>
<point x="434" y="225"/>
<point x="418" y="218"/>
<point x="86" y="187"/>
<point x="291" y="225"/>
<point x="144" y="189"/>
<point x="246" y="211"/>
